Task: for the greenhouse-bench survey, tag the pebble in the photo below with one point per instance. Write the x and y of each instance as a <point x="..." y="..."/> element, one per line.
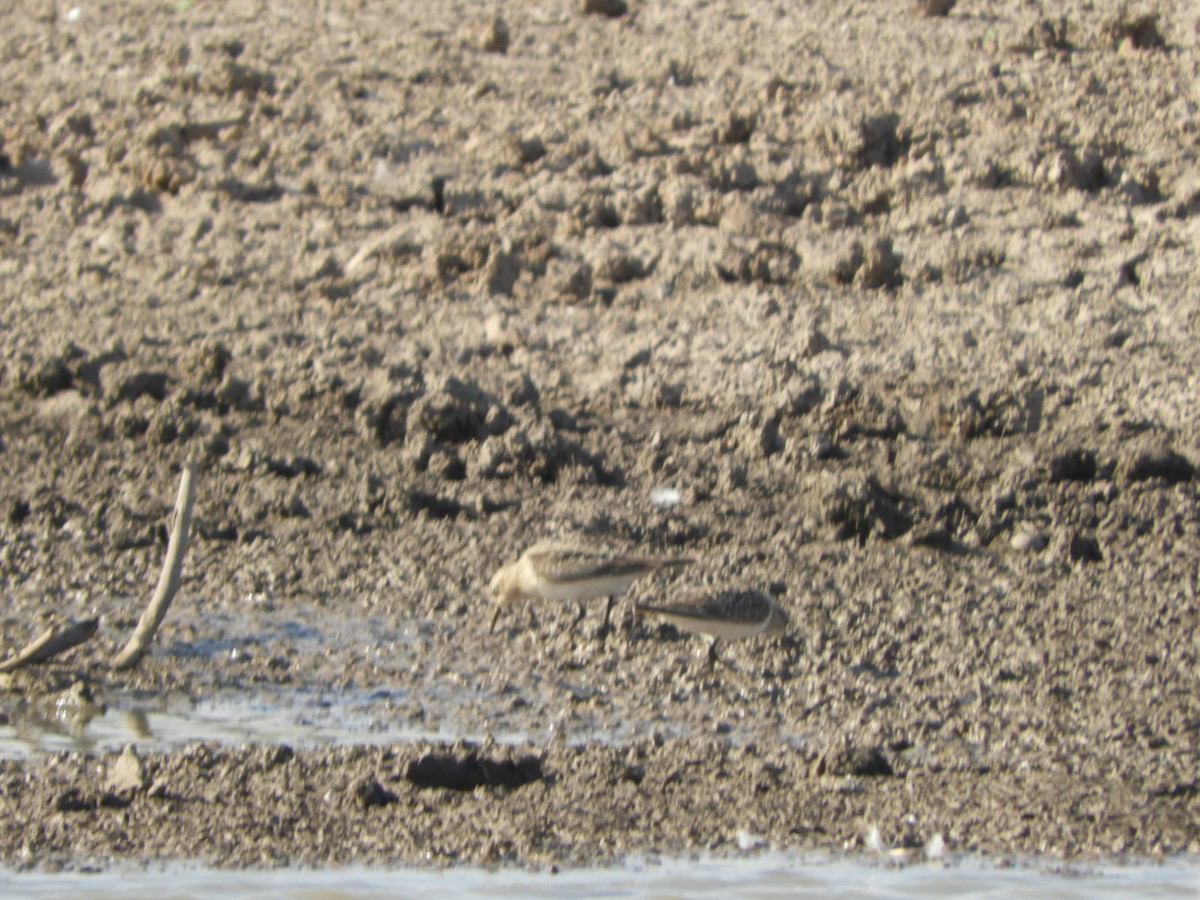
<point x="1024" y="539"/>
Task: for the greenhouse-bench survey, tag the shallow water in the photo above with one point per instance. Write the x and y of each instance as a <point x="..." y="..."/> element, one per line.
<point x="760" y="875"/>
<point x="297" y="718"/>
<point x="446" y="698"/>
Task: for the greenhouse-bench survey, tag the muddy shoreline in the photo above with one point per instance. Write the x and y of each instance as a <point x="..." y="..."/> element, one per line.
<point x="271" y="806"/>
<point x="889" y="315"/>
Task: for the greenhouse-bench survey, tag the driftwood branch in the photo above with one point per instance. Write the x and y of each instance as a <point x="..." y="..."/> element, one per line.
<point x="54" y="640"/>
<point x="168" y="580"/>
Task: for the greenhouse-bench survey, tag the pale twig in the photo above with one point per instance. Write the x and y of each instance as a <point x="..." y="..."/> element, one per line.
<point x="54" y="640"/>
<point x="168" y="580"/>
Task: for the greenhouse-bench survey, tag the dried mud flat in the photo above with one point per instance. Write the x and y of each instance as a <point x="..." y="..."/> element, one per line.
<point x="901" y="306"/>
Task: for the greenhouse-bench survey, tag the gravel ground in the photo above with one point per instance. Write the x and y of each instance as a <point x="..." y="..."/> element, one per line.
<point x="891" y="315"/>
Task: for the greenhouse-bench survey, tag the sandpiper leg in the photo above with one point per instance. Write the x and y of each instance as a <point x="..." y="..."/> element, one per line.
<point x="605" y="628"/>
<point x="712" y="654"/>
<point x="579" y="616"/>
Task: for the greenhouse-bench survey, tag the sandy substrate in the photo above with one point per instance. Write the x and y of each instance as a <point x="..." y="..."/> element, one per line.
<point x="901" y="310"/>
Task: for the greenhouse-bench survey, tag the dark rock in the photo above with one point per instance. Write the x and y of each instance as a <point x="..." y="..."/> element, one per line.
<point x="142" y="384"/>
<point x="292" y="466"/>
<point x="935" y="8"/>
<point x="18" y="512"/>
<point x="1159" y="463"/>
<point x="433" y="506"/>
<point x="880" y="141"/>
<point x="610" y="8"/>
<point x="74" y="800"/>
<point x="370" y="792"/>
<point x="436" y="770"/>
<point x="1073" y="465"/>
<point x="1084" y="549"/>
<point x="1137" y="32"/>
<point x="848" y="760"/>
<point x="109" y="800"/>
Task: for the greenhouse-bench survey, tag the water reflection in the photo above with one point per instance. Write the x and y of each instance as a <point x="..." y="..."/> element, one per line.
<point x="64" y="717"/>
<point x="301" y="718"/>
<point x="138" y="723"/>
<point x="158" y="722"/>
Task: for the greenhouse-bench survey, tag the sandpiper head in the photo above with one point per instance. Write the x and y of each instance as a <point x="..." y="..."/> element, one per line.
<point x="503" y="590"/>
<point x="503" y="586"/>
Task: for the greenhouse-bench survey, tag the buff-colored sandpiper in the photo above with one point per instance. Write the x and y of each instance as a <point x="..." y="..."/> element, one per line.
<point x="730" y="614"/>
<point x="553" y="570"/>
